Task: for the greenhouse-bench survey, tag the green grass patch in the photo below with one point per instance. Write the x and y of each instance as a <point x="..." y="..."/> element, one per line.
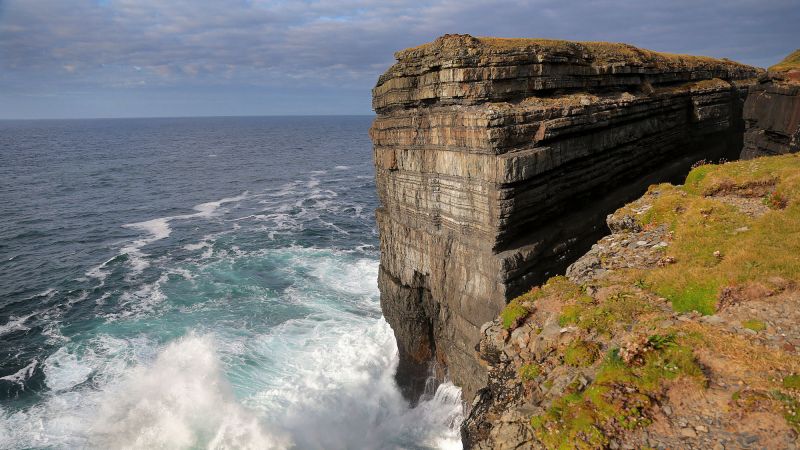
<point x="618" y="398"/>
<point x="618" y="310"/>
<point x="790" y="62"/>
<point x="755" y="325"/>
<point x="581" y="353"/>
<point x="791" y="408"/>
<point x="791" y="382"/>
<point x="559" y="287"/>
<point x="702" y="225"/>
<point x="529" y="372"/>
<point x="512" y="314"/>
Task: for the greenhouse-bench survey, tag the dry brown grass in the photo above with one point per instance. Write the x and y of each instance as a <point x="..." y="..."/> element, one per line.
<point x="601" y="53"/>
<point x="737" y="358"/>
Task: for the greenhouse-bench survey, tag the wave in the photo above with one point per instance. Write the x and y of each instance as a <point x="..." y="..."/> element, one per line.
<point x="159" y="229"/>
<point x="182" y="400"/>
<point x="15" y="323"/>
<point x="21" y="375"/>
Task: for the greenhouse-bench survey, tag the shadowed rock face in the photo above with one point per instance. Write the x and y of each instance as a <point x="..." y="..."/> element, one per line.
<point x="497" y="161"/>
<point x="772" y="111"/>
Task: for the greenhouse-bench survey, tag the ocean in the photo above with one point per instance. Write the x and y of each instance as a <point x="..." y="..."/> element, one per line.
<point x="198" y="283"/>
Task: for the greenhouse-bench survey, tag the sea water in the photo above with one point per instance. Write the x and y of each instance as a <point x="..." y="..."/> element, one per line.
<point x="198" y="283"/>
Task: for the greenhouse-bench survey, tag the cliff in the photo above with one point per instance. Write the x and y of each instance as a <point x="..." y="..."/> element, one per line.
<point x="772" y="111"/>
<point x="497" y="161"/>
<point x="678" y="330"/>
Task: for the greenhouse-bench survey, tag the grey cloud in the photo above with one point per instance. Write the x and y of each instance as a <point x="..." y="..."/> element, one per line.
<point x="51" y="46"/>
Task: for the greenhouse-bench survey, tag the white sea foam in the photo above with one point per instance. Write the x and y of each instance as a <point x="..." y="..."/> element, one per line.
<point x="197" y="246"/>
<point x="141" y="301"/>
<point x="63" y="370"/>
<point x="208" y="209"/>
<point x="15" y="323"/>
<point x="182" y="400"/>
<point x="134" y="393"/>
<point x="159" y="228"/>
<point x="98" y="273"/>
<point x="23" y="374"/>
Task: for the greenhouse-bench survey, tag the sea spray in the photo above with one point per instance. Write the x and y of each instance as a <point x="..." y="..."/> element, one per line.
<point x="182" y="400"/>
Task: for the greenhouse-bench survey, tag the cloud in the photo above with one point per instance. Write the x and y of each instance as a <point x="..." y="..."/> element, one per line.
<point x="61" y="45"/>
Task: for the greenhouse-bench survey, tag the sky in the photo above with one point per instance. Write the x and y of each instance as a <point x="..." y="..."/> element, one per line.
<point x="154" y="58"/>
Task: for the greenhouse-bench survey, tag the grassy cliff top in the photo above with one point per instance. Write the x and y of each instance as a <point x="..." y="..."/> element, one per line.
<point x="599" y="53"/>
<point x="790" y="62"/>
<point x="684" y="329"/>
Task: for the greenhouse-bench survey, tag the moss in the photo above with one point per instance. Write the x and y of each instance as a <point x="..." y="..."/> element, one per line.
<point x="791" y="382"/>
<point x="581" y="353"/>
<point x="619" y="398"/>
<point x="512" y="314"/>
<point x="618" y="310"/>
<point x="755" y="325"/>
<point x="570" y="315"/>
<point x="529" y="372"/>
<point x="559" y="287"/>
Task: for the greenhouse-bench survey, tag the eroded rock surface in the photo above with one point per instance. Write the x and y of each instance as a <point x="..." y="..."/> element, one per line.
<point x="772" y="111"/>
<point x="498" y="159"/>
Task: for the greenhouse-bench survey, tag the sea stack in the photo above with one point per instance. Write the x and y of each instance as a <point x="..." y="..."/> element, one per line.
<point x="497" y="161"/>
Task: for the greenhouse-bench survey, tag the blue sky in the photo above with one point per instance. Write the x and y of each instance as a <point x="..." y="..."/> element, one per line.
<point x="147" y="58"/>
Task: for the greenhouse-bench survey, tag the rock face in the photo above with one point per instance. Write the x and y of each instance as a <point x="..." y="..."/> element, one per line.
<point x="498" y="159"/>
<point x="772" y="111"/>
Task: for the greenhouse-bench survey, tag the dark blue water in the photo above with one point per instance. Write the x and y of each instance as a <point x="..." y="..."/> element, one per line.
<point x="197" y="283"/>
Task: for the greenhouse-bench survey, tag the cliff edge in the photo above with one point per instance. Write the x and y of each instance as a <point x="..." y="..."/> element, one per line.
<point x="772" y="111"/>
<point x="497" y="161"/>
<point x="678" y="330"/>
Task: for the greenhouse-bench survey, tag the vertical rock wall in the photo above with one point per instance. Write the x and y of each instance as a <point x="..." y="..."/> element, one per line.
<point x="772" y="111"/>
<point x="498" y="159"/>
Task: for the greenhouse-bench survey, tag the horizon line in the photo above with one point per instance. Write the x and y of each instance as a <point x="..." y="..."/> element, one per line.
<point x="31" y="119"/>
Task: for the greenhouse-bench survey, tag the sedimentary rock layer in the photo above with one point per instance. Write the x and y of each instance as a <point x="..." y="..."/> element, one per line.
<point x="772" y="111"/>
<point x="497" y="159"/>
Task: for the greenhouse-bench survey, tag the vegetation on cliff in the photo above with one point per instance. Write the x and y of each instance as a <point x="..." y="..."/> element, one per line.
<point x="676" y="331"/>
<point x="790" y="62"/>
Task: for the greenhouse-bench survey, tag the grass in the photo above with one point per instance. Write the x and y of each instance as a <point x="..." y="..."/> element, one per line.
<point x="617" y="311"/>
<point x="581" y="353"/>
<point x="617" y="399"/>
<point x="755" y="325"/>
<point x="512" y="314"/>
<point x="529" y="372"/>
<point x="790" y="62"/>
<point x="559" y="287"/>
<point x="599" y="52"/>
<point x="792" y="382"/>
<point x="703" y="225"/>
<point x="791" y="408"/>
